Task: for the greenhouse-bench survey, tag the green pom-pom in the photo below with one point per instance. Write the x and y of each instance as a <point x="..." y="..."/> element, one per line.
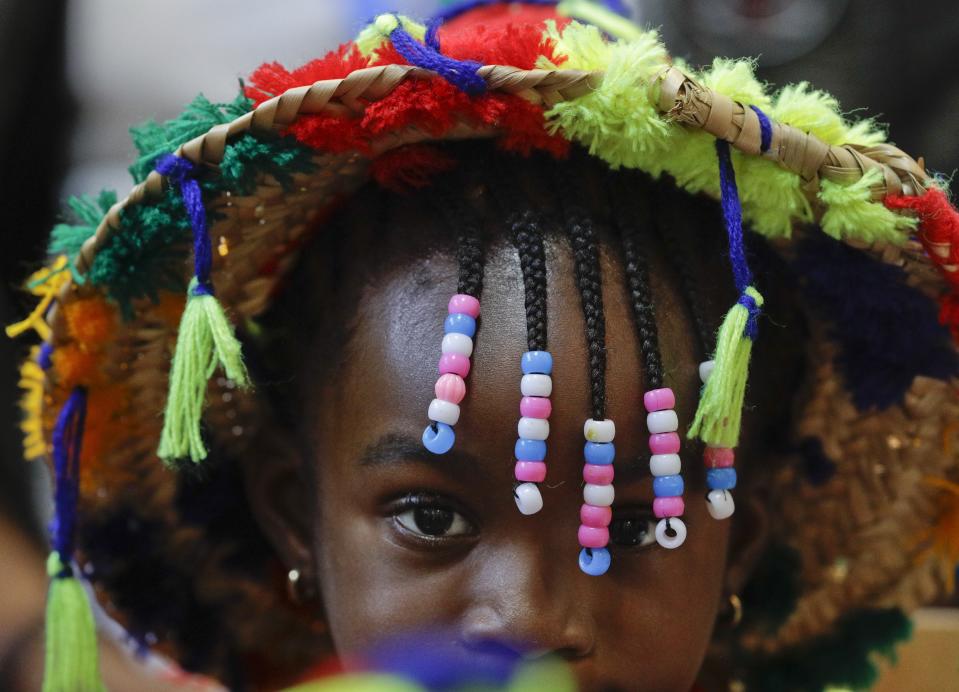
<point x="153" y="139"/>
<point x="71" y="659"/>
<point x="852" y="212"/>
<point x="720" y="411"/>
<point x="87" y="212"/>
<point x="206" y="340"/>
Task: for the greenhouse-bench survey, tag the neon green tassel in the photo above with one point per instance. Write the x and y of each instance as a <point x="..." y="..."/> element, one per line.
<point x="206" y="340"/>
<point x="720" y="411"/>
<point x="71" y="661"/>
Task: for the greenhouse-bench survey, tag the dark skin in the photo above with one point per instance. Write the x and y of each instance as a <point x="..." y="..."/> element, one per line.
<point x="403" y="540"/>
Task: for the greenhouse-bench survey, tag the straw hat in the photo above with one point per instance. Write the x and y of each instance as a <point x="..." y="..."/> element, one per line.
<point x="868" y="506"/>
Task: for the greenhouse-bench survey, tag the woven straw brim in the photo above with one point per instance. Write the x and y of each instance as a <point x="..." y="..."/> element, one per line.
<point x="859" y="534"/>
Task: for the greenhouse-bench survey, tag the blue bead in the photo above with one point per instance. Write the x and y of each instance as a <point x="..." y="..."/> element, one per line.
<point x="721" y="479"/>
<point x="537" y="363"/>
<point x="439" y="441"/>
<point x="530" y="450"/>
<point x="601" y="453"/>
<point x="594" y="561"/>
<point x="668" y="486"/>
<point x="460" y="323"/>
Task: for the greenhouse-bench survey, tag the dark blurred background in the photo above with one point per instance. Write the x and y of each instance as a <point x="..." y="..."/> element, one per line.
<point x="76" y="75"/>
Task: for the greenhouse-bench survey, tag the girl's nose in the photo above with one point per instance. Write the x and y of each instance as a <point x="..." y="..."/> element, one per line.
<point x="527" y="599"/>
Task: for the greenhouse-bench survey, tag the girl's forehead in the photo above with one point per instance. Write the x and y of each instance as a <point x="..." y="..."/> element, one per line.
<point x="390" y="360"/>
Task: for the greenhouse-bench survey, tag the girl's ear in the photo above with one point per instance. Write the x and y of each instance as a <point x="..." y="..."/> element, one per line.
<point x="749" y="538"/>
<point x="274" y="474"/>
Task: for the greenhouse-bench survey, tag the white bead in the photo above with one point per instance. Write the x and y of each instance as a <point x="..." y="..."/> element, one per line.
<point x="458" y="343"/>
<point x="720" y="504"/>
<point x="679" y="529"/>
<point x="662" y="422"/>
<point x="443" y="412"/>
<point x="598" y="495"/>
<point x="599" y="430"/>
<point x="532" y="428"/>
<point x="706" y="369"/>
<point x="536" y="385"/>
<point x="528" y="498"/>
<point x="665" y="464"/>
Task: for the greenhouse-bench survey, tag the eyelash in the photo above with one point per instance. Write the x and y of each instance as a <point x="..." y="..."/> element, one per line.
<point x="424" y="502"/>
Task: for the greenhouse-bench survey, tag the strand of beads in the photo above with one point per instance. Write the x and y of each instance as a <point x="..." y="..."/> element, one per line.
<point x="665" y="466"/>
<point x="598" y="494"/>
<point x="444" y="410"/>
<point x="532" y="430"/>
<point x="720" y="474"/>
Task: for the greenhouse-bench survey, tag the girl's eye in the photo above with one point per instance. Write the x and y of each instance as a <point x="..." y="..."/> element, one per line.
<point x="433" y="521"/>
<point x="632" y="532"/>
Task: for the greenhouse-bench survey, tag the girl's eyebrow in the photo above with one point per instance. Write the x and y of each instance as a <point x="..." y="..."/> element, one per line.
<point x="400" y="448"/>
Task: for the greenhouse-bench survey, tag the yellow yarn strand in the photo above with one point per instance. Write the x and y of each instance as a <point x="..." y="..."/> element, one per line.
<point x="47" y="284"/>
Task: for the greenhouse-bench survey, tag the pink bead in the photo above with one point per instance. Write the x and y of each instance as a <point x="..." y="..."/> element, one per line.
<point x="530" y="471"/>
<point x="659" y="399"/>
<point x="597" y="517"/>
<point x="668" y="507"/>
<point x="454" y="363"/>
<point x="462" y="303"/>
<point x="718" y="457"/>
<point x="593" y="536"/>
<point x="664" y="443"/>
<point x="598" y="474"/>
<point x="535" y="407"/>
<point x="450" y="387"/>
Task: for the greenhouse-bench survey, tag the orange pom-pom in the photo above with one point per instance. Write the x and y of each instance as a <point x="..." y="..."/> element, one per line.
<point x="90" y="321"/>
<point x="74" y="366"/>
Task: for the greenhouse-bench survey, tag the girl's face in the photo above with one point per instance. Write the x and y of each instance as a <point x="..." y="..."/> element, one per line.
<point x="404" y="540"/>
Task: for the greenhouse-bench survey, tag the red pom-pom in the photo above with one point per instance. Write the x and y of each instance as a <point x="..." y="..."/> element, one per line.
<point x="412" y="166"/>
<point x="939" y="235"/>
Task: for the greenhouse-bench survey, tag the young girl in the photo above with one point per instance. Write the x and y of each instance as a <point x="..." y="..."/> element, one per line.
<point x="327" y="487"/>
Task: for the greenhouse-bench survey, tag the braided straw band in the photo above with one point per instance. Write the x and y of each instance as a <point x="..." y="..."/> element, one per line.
<point x="345" y="97"/>
<point x="687" y="102"/>
<point x="679" y="97"/>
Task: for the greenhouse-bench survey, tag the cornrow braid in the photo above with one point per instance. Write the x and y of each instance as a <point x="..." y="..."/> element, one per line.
<point x="676" y="257"/>
<point x="528" y="239"/>
<point x="640" y="293"/>
<point x="457" y="213"/>
<point x="460" y="325"/>
<point x="582" y="235"/>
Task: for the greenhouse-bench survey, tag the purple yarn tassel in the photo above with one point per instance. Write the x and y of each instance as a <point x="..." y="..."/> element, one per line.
<point x="456" y="9"/>
<point x="182" y="172"/>
<point x="67" y="444"/>
<point x="733" y="215"/>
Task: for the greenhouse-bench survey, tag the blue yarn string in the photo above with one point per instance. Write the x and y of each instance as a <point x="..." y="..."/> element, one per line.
<point x="45" y="356"/>
<point x="67" y="443"/>
<point x="460" y="73"/>
<point x="617" y="6"/>
<point x="733" y="215"/>
<point x="432" y="38"/>
<point x="182" y="173"/>
<point x="765" y="130"/>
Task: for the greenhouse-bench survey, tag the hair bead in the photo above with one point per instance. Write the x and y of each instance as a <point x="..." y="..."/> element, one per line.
<point x="454" y="366"/>
<point x="530" y="471"/>
<point x="719" y="462"/>
<point x="450" y="387"/>
<point x="666" y="465"/>
<point x="533" y="427"/>
<point x="598" y="495"/>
